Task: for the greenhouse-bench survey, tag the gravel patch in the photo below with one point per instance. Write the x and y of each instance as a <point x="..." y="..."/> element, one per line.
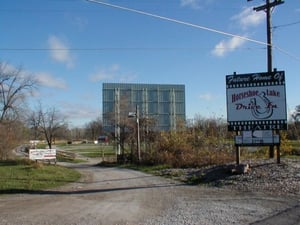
<point x="259" y="196"/>
<point x="206" y="212"/>
<point x="264" y="175"/>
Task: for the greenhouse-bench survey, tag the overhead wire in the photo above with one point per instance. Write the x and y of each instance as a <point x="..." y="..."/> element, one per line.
<point x="178" y="21"/>
<point x="286" y="25"/>
<point x="122" y="49"/>
<point x="287" y="53"/>
<point x="282" y="50"/>
<point x="192" y="25"/>
<point x="163" y="18"/>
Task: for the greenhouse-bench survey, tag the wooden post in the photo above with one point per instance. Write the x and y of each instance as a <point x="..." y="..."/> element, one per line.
<point x="102" y="153"/>
<point x="271" y="151"/>
<point x="237" y="152"/>
<point x="278" y="153"/>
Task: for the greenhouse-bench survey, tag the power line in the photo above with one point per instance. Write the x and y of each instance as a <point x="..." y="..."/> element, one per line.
<point x="195" y="26"/>
<point x="157" y="48"/>
<point x="287" y="53"/>
<point x="123" y="49"/>
<point x="286" y="25"/>
<point x="178" y="21"/>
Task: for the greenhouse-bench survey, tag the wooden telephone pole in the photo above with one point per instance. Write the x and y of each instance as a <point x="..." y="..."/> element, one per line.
<point x="268" y="9"/>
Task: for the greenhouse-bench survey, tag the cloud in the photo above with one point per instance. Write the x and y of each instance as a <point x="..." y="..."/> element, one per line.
<point x="249" y="18"/>
<point x="79" y="114"/>
<point x="48" y="80"/>
<point x="102" y="75"/>
<point x="78" y="110"/>
<point x="7" y="68"/>
<point x="105" y="74"/>
<point x="60" y="52"/>
<point x="43" y="78"/>
<point x="230" y="45"/>
<point x="194" y="4"/>
<point x="113" y="72"/>
<point x="246" y="19"/>
<point x="80" y="22"/>
<point x="207" y="97"/>
<point x="10" y="69"/>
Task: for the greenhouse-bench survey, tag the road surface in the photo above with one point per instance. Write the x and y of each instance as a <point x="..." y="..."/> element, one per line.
<point x="114" y="196"/>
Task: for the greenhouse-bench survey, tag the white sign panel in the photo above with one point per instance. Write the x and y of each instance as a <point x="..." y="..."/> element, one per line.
<point x="258" y="137"/>
<point x="256" y="101"/>
<point x="41" y="154"/>
<point x="262" y="133"/>
<point x="247" y="137"/>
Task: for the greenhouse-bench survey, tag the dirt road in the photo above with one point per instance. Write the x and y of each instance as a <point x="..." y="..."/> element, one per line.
<point x="120" y="196"/>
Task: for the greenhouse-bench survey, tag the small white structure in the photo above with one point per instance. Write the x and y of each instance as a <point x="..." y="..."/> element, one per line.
<point x="42" y="154"/>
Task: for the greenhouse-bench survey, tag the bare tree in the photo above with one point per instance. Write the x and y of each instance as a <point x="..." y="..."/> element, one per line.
<point x="93" y="129"/>
<point x="296" y="114"/>
<point x="76" y="133"/>
<point x="15" y="86"/>
<point x="34" y="125"/>
<point x="50" y="123"/>
<point x="12" y="134"/>
<point x="295" y="126"/>
<point x="124" y="132"/>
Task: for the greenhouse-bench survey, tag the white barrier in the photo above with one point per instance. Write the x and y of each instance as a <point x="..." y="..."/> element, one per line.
<point x="42" y="154"/>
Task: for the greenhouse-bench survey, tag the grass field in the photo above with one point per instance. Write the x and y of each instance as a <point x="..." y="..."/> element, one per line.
<point x="89" y="150"/>
<point x="24" y="175"/>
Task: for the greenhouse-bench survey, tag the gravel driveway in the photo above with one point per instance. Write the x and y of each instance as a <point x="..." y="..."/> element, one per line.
<point x="119" y="196"/>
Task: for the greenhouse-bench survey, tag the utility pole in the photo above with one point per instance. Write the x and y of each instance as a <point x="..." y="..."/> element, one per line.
<point x="136" y="114"/>
<point x="138" y="142"/>
<point x="267" y="8"/>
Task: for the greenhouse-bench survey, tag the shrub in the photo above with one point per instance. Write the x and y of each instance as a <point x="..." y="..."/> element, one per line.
<point x="185" y="148"/>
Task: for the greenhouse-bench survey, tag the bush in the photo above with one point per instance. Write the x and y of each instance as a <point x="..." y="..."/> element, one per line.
<point x="11" y="135"/>
<point x="183" y="148"/>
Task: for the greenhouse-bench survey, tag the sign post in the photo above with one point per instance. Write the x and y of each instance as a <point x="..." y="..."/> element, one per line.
<point x="256" y="106"/>
<point x="42" y="154"/>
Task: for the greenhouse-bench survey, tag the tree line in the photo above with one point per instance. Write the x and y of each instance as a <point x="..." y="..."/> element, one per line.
<point x="194" y="142"/>
<point x="19" y="123"/>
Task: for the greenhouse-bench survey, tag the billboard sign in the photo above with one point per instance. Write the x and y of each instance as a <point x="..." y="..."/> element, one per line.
<point x="256" y="101"/>
<point x="41" y="154"/>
